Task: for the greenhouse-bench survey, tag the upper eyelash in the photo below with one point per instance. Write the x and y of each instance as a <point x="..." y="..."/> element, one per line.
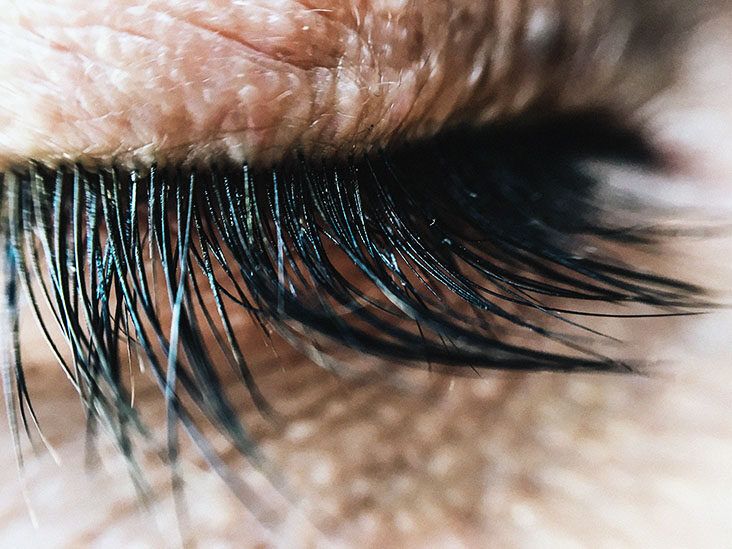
<point x="448" y="232"/>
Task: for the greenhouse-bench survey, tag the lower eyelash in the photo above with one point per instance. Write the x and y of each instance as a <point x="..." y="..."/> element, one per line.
<point x="451" y="241"/>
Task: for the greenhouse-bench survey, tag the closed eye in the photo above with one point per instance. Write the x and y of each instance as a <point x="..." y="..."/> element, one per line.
<point x="474" y="249"/>
<point x="482" y="247"/>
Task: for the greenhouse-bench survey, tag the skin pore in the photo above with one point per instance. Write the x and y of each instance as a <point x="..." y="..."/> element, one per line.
<point x="527" y="460"/>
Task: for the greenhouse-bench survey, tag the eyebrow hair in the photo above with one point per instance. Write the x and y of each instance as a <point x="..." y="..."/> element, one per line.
<point x="423" y="255"/>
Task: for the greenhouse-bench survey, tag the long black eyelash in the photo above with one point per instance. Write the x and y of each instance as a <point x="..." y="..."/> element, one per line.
<point x="425" y="255"/>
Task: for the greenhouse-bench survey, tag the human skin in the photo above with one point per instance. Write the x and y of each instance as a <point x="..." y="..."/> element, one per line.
<point x="530" y="460"/>
<point x="170" y="81"/>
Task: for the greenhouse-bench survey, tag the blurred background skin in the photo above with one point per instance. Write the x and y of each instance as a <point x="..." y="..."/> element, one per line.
<point x="538" y="460"/>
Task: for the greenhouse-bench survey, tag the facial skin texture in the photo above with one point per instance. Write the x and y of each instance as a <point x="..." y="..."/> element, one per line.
<point x="533" y="460"/>
<point x="168" y="81"/>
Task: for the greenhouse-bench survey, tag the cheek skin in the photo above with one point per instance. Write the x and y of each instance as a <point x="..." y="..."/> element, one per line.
<point x="199" y="79"/>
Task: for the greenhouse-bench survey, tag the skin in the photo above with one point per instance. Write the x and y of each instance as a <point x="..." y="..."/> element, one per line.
<point x="171" y="81"/>
<point x="533" y="460"/>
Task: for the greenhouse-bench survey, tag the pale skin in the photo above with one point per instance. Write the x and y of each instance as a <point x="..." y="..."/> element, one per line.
<point x="533" y="460"/>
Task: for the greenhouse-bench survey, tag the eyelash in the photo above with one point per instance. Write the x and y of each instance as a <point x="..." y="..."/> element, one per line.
<point x="447" y="236"/>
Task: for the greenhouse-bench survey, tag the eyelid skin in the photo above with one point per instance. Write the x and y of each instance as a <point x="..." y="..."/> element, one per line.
<point x="188" y="81"/>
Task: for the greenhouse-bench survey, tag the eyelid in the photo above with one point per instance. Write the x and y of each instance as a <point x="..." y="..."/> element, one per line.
<point x="167" y="83"/>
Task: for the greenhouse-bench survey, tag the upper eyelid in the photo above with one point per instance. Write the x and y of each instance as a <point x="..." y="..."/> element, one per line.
<point x="261" y="62"/>
<point x="352" y="106"/>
